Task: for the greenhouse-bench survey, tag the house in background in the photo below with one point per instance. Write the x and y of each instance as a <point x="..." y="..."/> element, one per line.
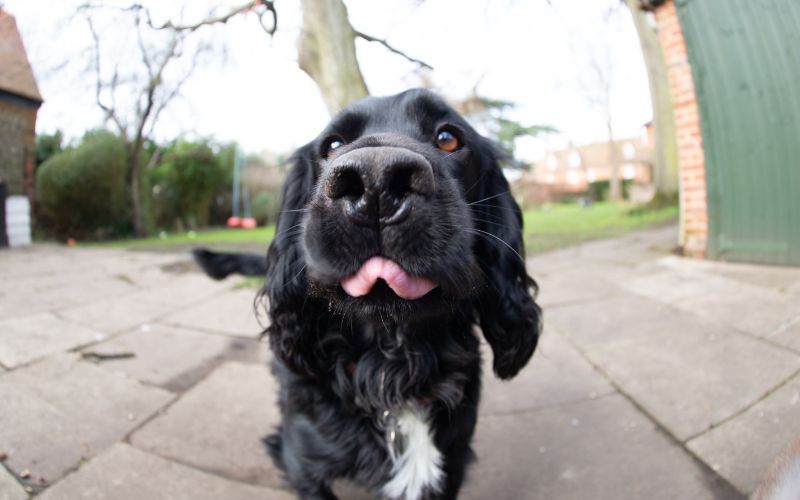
<point x="570" y="172"/>
<point x="19" y="104"/>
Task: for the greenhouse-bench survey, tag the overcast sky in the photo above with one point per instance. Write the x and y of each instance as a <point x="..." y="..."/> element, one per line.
<point x="534" y="53"/>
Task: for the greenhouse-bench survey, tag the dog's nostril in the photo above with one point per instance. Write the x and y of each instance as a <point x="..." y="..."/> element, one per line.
<point x="345" y="183"/>
<point x="403" y="179"/>
<point x="400" y="181"/>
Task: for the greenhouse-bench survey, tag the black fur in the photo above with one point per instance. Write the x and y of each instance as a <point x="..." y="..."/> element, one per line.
<point x="342" y="361"/>
<point x="221" y="265"/>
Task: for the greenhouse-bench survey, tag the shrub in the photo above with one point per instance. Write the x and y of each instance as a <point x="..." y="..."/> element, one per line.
<point x="185" y="185"/>
<point x="48" y="145"/>
<point x="599" y="190"/>
<point x="81" y="191"/>
<point x="266" y="207"/>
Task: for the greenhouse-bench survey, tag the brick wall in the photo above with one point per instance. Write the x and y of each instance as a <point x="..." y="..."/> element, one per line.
<point x="691" y="159"/>
<point x="18" y="147"/>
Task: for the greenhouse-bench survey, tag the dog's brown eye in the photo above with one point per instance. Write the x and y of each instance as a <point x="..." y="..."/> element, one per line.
<point x="331" y="145"/>
<point x="447" y="141"/>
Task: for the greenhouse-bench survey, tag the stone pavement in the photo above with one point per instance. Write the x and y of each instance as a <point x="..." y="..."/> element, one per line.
<point x="128" y="375"/>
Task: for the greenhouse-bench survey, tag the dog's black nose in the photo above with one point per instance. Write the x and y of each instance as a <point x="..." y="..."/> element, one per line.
<point x="378" y="183"/>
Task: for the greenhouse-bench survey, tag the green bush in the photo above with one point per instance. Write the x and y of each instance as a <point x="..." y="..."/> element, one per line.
<point x="81" y="191"/>
<point x="265" y="208"/>
<point x="599" y="190"/>
<point x="48" y="145"/>
<point x="185" y="184"/>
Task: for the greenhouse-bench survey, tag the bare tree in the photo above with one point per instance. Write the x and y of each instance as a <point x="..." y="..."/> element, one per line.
<point x="595" y="82"/>
<point x="327" y="53"/>
<point x="665" y="168"/>
<point x="134" y="100"/>
<point x="598" y="94"/>
<point x="326" y="48"/>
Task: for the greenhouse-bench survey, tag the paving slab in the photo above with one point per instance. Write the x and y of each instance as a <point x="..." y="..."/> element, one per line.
<point x="556" y="375"/>
<point x="600" y="449"/>
<point x="767" y="311"/>
<point x="669" y="286"/>
<point x="691" y="374"/>
<point x="125" y="473"/>
<point x="10" y="489"/>
<point x="778" y="278"/>
<point x="719" y="298"/>
<point x="789" y="336"/>
<point x="217" y="426"/>
<point x="742" y="449"/>
<point x="118" y="314"/>
<point x="28" y="338"/>
<point x="560" y="287"/>
<point x="24" y="296"/>
<point x="160" y="353"/>
<point x="630" y="250"/>
<point x="181" y="290"/>
<point x="60" y="411"/>
<point x="622" y="316"/>
<point x="38" y="260"/>
<point x="228" y="314"/>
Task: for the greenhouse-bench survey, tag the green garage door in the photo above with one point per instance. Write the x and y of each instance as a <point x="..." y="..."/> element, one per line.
<point x="745" y="57"/>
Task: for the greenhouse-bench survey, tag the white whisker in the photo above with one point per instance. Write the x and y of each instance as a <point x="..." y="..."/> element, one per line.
<point x="489" y="198"/>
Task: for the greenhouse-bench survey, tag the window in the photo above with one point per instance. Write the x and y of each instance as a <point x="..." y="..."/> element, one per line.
<point x="628" y="151"/>
<point x="574" y="159"/>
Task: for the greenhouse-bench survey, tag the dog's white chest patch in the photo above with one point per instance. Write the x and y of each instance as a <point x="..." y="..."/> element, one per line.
<point x="418" y="467"/>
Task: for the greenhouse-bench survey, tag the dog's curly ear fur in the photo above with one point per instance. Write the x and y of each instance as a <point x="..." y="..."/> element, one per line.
<point x="510" y="319"/>
<point x="292" y="317"/>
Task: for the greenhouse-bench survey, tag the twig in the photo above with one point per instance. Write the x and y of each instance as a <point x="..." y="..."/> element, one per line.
<point x="100" y="356"/>
<point x="109" y="111"/>
<point x="399" y="52"/>
<point x="269" y="6"/>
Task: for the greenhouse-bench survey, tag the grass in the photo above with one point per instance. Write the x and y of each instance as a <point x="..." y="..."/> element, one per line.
<point x="546" y="228"/>
<point x="217" y="238"/>
<point x="561" y="225"/>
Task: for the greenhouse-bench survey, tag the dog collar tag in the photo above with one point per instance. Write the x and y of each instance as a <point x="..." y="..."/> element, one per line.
<point x="393" y="433"/>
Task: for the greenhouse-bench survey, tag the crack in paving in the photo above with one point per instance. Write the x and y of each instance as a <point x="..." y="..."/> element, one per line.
<point x="719" y="485"/>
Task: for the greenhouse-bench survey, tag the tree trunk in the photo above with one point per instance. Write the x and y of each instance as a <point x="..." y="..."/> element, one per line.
<point x="665" y="164"/>
<point x="327" y="53"/>
<point x="134" y="188"/>
<point x="615" y="184"/>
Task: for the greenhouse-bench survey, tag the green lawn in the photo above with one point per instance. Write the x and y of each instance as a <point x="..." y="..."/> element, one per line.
<point x="546" y="228"/>
<point x="561" y="225"/>
<point x="223" y="238"/>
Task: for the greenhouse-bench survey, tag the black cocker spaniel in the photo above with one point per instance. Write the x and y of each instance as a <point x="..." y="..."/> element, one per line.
<point x="397" y="236"/>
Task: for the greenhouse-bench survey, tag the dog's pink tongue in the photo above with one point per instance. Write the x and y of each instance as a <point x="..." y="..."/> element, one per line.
<point x="404" y="285"/>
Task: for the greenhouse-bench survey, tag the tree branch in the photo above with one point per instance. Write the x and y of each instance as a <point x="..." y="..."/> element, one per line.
<point x="142" y="48"/>
<point x="109" y="111"/>
<point x="152" y="85"/>
<point x="399" y="52"/>
<point x="176" y="89"/>
<point x="269" y="7"/>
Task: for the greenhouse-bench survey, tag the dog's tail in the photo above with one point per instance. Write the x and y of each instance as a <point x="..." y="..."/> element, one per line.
<point x="274" y="445"/>
<point x="218" y="265"/>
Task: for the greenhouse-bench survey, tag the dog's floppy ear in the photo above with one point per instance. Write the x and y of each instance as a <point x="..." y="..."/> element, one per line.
<point x="291" y="316"/>
<point x="509" y="317"/>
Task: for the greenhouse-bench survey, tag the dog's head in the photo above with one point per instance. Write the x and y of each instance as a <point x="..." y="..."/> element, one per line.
<point x="400" y="212"/>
